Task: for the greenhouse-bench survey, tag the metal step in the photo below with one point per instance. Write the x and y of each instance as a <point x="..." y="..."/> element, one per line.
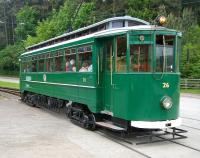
<point x="110" y="125"/>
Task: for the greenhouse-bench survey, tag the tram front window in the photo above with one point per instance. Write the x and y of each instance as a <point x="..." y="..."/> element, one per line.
<point x="121" y="54"/>
<point x="164" y="53"/>
<point x="140" y="57"/>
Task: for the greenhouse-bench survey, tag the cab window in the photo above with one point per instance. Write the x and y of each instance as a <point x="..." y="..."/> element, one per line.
<point x="28" y="66"/>
<point x="140" y="58"/>
<point x="121" y="54"/>
<point x="34" y="66"/>
<point x="24" y="64"/>
<point x="164" y="53"/>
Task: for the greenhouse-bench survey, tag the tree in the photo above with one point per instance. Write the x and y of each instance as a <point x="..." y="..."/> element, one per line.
<point x="190" y="57"/>
<point x="84" y="16"/>
<point x="9" y="57"/>
<point x="60" y="21"/>
<point x="27" y="18"/>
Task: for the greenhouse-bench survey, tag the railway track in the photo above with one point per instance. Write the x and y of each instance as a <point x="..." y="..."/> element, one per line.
<point x="121" y="141"/>
<point x="115" y="138"/>
<point x="10" y="91"/>
<point x="189" y="126"/>
<point x="184" y="125"/>
<point x="189" y="118"/>
<point x="127" y="143"/>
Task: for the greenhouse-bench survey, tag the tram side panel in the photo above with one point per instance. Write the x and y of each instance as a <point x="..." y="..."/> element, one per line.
<point x="138" y="96"/>
<point x="77" y="87"/>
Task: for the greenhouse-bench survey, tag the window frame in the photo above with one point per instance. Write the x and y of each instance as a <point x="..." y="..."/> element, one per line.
<point x="165" y="33"/>
<point x="149" y="36"/>
<point x="149" y="58"/>
<point x="73" y="52"/>
<point x="59" y="54"/>
<point x="78" y="67"/>
<point x="115" y="49"/>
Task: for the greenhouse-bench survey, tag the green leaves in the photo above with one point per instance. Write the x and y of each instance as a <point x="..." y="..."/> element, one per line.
<point x="84" y="16"/>
<point x="57" y="24"/>
<point x="9" y="57"/>
<point x="26" y="22"/>
<point x="33" y="28"/>
<point x="190" y="57"/>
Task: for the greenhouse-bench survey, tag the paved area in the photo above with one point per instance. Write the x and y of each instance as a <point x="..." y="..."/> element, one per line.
<point x="9" y="79"/>
<point x="36" y="133"/>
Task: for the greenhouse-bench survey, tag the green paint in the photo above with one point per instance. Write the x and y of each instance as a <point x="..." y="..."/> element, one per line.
<point x="129" y="95"/>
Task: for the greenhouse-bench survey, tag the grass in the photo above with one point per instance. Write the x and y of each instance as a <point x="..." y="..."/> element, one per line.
<point x="9" y="85"/>
<point x="192" y="91"/>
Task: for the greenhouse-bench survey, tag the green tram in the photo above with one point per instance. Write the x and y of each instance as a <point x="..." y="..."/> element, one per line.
<point x="119" y="73"/>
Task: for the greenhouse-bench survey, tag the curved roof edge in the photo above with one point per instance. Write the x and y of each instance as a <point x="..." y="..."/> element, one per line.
<point x="105" y="33"/>
<point x="93" y="25"/>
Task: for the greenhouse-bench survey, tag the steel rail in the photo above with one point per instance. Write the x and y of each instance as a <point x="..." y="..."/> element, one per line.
<point x="12" y="91"/>
<point x="191" y="127"/>
<point x="120" y="141"/>
<point x="189" y="118"/>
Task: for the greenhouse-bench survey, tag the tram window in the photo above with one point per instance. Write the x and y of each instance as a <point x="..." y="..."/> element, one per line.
<point x="178" y="53"/>
<point x="102" y="27"/>
<point x="58" y="63"/>
<point x="34" y="66"/>
<point x="23" y="68"/>
<point x="28" y="67"/>
<point x="134" y="23"/>
<point x="121" y="54"/>
<point x="140" y="58"/>
<point x="108" y="51"/>
<point x="164" y="53"/>
<point x="41" y="65"/>
<point x="70" y="59"/>
<point x="85" y="59"/>
<point x="49" y="65"/>
<point x="117" y="24"/>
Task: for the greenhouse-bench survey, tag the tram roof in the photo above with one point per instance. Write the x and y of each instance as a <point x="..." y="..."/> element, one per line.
<point x="105" y="33"/>
<point x="90" y="27"/>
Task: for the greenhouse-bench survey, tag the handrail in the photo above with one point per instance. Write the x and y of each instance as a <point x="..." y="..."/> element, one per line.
<point x="98" y="69"/>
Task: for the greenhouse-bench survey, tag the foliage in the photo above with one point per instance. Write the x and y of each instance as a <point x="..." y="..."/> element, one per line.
<point x="141" y="9"/>
<point x="56" y="24"/>
<point x="183" y="22"/>
<point x="190" y="58"/>
<point x="53" y="18"/>
<point x="26" y="22"/>
<point x="9" y="57"/>
<point x="84" y="16"/>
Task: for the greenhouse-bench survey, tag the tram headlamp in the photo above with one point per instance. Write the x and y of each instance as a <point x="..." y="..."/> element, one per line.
<point x="166" y="102"/>
<point x="161" y="20"/>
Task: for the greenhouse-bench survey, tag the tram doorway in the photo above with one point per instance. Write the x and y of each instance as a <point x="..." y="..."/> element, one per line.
<point x="106" y="71"/>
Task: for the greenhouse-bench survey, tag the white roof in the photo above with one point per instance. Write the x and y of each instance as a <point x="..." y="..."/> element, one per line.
<point x="103" y="33"/>
<point x="93" y="25"/>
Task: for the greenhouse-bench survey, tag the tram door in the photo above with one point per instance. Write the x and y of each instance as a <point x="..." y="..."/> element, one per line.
<point x="106" y="55"/>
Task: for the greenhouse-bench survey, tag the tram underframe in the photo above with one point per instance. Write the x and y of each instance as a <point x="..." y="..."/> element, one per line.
<point x="80" y="115"/>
